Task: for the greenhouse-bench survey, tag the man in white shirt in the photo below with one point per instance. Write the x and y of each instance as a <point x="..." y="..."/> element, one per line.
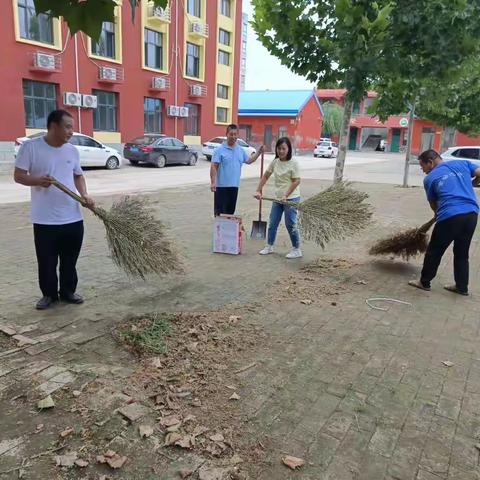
<point x="57" y="218"/>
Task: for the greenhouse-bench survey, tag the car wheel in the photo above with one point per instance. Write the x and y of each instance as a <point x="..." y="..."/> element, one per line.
<point x="134" y="162"/>
<point x="208" y="157"/>
<point x="160" y="161"/>
<point x="112" y="163"/>
<point x="192" y="160"/>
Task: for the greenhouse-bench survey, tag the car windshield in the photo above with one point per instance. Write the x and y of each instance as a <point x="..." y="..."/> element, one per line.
<point x="325" y="144"/>
<point x="145" y="140"/>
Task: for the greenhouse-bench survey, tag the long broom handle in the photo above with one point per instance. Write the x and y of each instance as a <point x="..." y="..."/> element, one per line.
<point x="69" y="192"/>
<point x="262" y="159"/>
<point x="276" y="200"/>
<point x="427" y="226"/>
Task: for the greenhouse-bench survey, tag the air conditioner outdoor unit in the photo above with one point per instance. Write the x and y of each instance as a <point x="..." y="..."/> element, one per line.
<point x="108" y="73"/>
<point x="159" y="83"/>
<point x="196" y="90"/>
<point x="183" y="112"/>
<point x="89" y="101"/>
<point x="173" y="111"/>
<point x="73" y="99"/>
<point x="44" y="60"/>
<point x="197" y="28"/>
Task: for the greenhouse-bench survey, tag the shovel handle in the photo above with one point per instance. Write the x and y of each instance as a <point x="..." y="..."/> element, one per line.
<point x="262" y="160"/>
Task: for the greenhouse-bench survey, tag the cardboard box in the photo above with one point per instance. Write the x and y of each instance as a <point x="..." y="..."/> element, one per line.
<point x="227" y="235"/>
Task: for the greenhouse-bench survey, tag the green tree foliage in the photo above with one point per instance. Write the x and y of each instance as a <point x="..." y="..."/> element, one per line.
<point x="398" y="46"/>
<point x="332" y="119"/>
<point x="86" y="15"/>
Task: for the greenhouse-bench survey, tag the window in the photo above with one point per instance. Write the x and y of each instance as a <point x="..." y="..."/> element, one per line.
<point x="152" y="115"/>
<point x="105" y="47"/>
<point x="224" y="37"/>
<point x="32" y="26"/>
<point x="177" y="143"/>
<point x="87" y="142"/>
<point x="222" y="114"/>
<point x="192" y="122"/>
<point x="153" y="49"/>
<point x="225" y="6"/>
<point x="193" y="8"/>
<point x="193" y="60"/>
<point x="222" y="91"/>
<point x="469" y="153"/>
<point x="223" y="57"/>
<point x="356" y="108"/>
<point x="105" y="115"/>
<point x="39" y="99"/>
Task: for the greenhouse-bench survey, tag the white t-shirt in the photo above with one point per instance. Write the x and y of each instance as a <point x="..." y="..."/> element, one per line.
<point x="51" y="206"/>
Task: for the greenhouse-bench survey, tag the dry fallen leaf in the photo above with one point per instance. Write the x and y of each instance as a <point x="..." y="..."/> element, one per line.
<point x="156" y="363"/>
<point x="199" y="430"/>
<point x="39" y="427"/>
<point x="234" y="396"/>
<point x="293" y="462"/>
<point x="306" y="301"/>
<point x="233" y="318"/>
<point x="81" y="463"/>
<point x="110" y="453"/>
<point x="145" y="431"/>
<point x="66" y="432"/>
<point x="218" y="437"/>
<point x="45" y="403"/>
<point x="187" y="441"/>
<point x="211" y="473"/>
<point x="116" y="461"/>
<point x="448" y="363"/>
<point x="186" y="472"/>
<point x="170" y="421"/>
<point x="67" y="460"/>
<point x="171" y="438"/>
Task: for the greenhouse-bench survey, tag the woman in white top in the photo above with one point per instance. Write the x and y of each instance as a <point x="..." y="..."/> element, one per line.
<point x="286" y="175"/>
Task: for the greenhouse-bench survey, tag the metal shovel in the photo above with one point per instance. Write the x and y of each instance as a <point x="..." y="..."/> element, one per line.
<point x="259" y="228"/>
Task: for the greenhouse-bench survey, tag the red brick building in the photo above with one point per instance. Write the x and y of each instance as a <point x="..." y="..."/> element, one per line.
<point x="266" y="115"/>
<point x="173" y="70"/>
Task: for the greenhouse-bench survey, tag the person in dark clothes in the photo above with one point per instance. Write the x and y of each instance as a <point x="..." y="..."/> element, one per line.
<point x="57" y="218"/>
<point x="449" y="189"/>
<point x="225" y="171"/>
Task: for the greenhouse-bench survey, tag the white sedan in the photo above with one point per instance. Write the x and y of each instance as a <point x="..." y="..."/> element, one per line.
<point x="92" y="153"/>
<point x="471" y="153"/>
<point x="326" y="149"/>
<point x="209" y="147"/>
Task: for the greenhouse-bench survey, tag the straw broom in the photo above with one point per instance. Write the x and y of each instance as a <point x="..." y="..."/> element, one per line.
<point x="333" y="214"/>
<point x="406" y="244"/>
<point x="137" y="241"/>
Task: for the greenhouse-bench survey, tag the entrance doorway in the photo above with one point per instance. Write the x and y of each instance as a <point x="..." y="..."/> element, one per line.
<point x="395" y="146"/>
<point x="352" y="139"/>
<point x="428" y="138"/>
<point x="268" y="137"/>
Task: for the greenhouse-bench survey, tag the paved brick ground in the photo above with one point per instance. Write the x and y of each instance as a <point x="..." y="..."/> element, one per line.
<point x="358" y="393"/>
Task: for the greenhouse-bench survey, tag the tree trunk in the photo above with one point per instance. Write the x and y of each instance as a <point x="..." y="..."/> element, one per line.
<point x="408" y="154"/>
<point x="343" y="141"/>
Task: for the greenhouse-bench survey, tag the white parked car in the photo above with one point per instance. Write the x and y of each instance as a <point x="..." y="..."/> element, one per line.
<point x="209" y="147"/>
<point x="92" y="153"/>
<point x="326" y="148"/>
<point x="462" y="153"/>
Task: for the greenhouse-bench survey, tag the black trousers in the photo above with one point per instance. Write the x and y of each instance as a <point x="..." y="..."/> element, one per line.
<point x="225" y="200"/>
<point x="54" y="242"/>
<point x="459" y="230"/>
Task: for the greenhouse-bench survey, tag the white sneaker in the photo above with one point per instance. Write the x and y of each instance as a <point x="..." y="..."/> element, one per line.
<point x="266" y="250"/>
<point x="294" y="253"/>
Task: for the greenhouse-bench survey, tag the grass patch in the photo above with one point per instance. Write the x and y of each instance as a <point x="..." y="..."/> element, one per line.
<point x="146" y="334"/>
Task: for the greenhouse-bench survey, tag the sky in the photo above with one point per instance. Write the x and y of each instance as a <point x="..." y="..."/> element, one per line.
<point x="265" y="71"/>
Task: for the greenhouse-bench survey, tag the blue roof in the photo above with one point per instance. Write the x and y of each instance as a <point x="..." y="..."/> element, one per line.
<point x="276" y="103"/>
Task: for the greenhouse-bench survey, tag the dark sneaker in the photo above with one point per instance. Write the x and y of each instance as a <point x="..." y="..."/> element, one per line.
<point x="45" y="302"/>
<point x="454" y="289"/>
<point x="72" y="298"/>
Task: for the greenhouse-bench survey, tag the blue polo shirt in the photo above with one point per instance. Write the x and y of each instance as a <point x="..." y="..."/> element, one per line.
<point x="230" y="161"/>
<point x="450" y="185"/>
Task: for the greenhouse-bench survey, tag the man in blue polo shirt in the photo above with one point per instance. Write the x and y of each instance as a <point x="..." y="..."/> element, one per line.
<point x="449" y="189"/>
<point x="226" y="169"/>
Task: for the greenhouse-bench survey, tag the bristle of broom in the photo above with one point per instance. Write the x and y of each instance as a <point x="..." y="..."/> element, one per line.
<point x="406" y="244"/>
<point x="334" y="214"/>
<point x="137" y="241"/>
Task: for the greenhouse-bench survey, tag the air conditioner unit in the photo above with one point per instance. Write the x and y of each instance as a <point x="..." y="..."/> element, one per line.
<point x="44" y="60"/>
<point x="159" y="83"/>
<point x="173" y="111"/>
<point x="89" y="101"/>
<point x="107" y="73"/>
<point x="183" y="112"/>
<point x="196" y="90"/>
<point x="73" y="99"/>
<point x="197" y="28"/>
